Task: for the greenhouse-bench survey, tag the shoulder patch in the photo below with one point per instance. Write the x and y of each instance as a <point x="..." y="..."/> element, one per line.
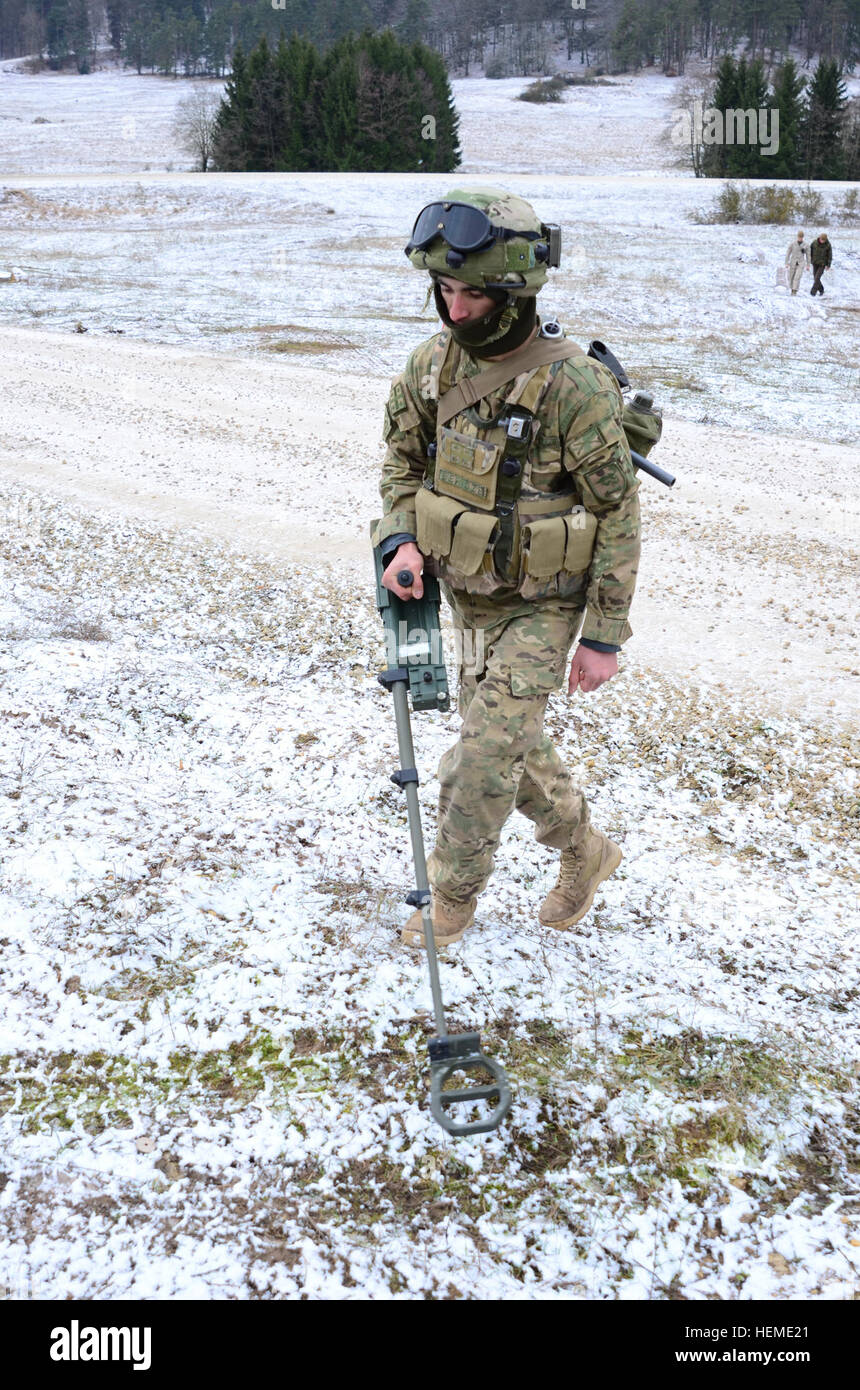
<point x="607" y="481"/>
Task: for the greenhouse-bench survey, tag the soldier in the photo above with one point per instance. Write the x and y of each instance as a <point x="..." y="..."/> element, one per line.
<point x="796" y="260"/>
<point x="526" y="509"/>
<point x="822" y="258"/>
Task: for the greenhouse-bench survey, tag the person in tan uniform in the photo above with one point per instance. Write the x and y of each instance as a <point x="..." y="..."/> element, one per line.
<point x="796" y="260"/>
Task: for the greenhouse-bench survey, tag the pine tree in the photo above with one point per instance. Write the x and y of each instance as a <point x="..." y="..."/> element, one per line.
<point x="57" y="32"/>
<point x="388" y="104"/>
<point x="787" y="99"/>
<point x="118" y="18"/>
<point x="442" y="152"/>
<point x="233" y="118"/>
<point x="297" y="64"/>
<point x="744" y="158"/>
<point x="416" y="20"/>
<point x="264" y="122"/>
<point x="189" y="38"/>
<point x="80" y="35"/>
<point x="822" y="122"/>
<point x="336" y="106"/>
<point x="720" y="26"/>
<point x="779" y="21"/>
<point x="217" y="37"/>
<point x="627" y="40"/>
<point x="725" y="98"/>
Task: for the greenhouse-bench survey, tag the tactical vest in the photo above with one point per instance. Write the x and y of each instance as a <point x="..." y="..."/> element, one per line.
<point x="497" y="508"/>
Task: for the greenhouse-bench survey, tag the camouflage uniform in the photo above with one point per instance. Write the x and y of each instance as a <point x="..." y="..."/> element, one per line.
<point x="579" y="461"/>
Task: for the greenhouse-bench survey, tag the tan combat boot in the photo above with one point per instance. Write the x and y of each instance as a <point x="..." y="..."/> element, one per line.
<point x="582" y="869"/>
<point x="450" y="921"/>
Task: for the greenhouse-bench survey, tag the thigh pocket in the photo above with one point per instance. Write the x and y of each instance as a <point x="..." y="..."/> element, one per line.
<point x="526" y="681"/>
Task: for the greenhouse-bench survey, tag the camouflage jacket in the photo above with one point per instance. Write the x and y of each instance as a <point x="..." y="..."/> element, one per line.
<point x="580" y="438"/>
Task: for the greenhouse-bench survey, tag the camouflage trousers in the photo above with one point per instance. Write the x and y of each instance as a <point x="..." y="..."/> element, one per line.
<point x="503" y="760"/>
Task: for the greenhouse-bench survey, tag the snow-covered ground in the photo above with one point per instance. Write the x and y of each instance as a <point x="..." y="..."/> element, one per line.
<point x="213" y="1074"/>
<point x="118" y="122"/>
<point x="311" y="266"/>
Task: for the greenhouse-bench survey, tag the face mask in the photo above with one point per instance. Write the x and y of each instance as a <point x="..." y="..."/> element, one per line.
<point x="502" y="330"/>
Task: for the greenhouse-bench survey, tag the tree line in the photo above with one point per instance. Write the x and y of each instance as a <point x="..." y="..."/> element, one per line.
<point x="666" y="33"/>
<point x="503" y="37"/>
<point x="368" y="103"/>
<point x="818" y="130"/>
<point x="171" y="37"/>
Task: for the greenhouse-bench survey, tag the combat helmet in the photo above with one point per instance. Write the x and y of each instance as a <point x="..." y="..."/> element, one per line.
<point x="494" y="241"/>
<point x="487" y="238"/>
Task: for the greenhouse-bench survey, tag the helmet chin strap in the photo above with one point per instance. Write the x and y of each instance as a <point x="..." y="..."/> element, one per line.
<point x="502" y="330"/>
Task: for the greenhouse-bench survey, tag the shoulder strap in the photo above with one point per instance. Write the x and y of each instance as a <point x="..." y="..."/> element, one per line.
<point x="470" y="389"/>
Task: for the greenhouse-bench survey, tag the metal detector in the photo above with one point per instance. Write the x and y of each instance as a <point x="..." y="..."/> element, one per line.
<point x="414" y="653"/>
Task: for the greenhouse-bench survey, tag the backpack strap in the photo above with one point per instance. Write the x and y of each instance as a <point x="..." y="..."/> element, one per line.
<point x="470" y="389"/>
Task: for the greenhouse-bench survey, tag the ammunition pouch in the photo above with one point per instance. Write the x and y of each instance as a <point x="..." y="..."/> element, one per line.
<point x="557" y="543"/>
<point x="450" y="531"/>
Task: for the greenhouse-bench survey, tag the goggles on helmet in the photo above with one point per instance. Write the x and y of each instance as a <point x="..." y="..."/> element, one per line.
<point x="463" y="227"/>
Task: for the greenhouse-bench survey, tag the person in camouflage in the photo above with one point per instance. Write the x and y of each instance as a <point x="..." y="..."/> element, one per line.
<point x="559" y="552"/>
<point x="821" y="255"/>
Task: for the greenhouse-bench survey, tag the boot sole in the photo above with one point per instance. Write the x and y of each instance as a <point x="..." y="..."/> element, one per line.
<point x="612" y="861"/>
<point x="415" y="939"/>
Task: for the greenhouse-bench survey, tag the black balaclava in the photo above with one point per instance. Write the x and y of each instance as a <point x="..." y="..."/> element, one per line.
<point x="502" y="330"/>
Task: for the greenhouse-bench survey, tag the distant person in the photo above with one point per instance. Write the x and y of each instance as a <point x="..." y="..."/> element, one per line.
<point x="797" y="260"/>
<point x="822" y="257"/>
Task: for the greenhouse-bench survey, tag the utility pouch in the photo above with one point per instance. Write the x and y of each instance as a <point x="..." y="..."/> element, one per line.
<point x="544" y="544"/>
<point x="581" y="530"/>
<point x="451" y="531"/>
<point x="466" y="468"/>
<point x="435" y="517"/>
<point x="472" y="539"/>
<point x="559" y="543"/>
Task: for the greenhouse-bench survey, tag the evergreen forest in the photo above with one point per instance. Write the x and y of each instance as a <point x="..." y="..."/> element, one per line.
<point x="191" y="37"/>
<point x="819" y="132"/>
<point x="367" y="103"/>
